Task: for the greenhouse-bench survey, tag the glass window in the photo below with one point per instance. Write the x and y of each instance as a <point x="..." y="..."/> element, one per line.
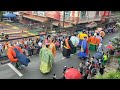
<point x="35" y="12"/>
<point x="97" y="13"/>
<point x="67" y="14"/>
<point x="41" y="13"/>
<point x="83" y="14"/>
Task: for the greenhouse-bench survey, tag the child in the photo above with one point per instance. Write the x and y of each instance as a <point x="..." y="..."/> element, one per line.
<point x="105" y="58"/>
<point x="101" y="69"/>
<point x="81" y="68"/>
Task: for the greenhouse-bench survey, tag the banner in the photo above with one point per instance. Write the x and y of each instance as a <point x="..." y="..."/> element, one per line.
<point x="53" y="14"/>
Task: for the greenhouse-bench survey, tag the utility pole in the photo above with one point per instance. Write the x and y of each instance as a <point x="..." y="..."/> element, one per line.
<point x="63" y="20"/>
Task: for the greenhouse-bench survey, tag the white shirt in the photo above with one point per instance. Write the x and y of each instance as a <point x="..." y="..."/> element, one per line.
<point x="40" y="44"/>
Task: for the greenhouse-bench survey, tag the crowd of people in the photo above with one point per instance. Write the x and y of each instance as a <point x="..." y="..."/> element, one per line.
<point x="28" y="46"/>
<point x="46" y="46"/>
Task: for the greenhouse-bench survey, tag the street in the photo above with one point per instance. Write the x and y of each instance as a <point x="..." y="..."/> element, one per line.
<point x="33" y="72"/>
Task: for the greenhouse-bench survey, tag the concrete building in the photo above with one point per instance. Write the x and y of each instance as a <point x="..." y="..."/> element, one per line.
<point x="70" y="17"/>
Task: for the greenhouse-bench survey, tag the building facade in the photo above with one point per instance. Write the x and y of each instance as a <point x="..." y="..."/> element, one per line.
<point x="69" y="17"/>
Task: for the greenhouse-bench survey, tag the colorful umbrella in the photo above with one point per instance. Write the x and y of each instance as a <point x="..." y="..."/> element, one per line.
<point x="109" y="47"/>
<point x="72" y="73"/>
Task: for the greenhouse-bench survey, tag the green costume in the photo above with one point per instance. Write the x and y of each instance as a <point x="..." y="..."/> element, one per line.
<point x="46" y="60"/>
<point x="105" y="58"/>
<point x="92" y="47"/>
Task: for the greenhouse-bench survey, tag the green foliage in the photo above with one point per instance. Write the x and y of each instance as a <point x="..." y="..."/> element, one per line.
<point x="109" y="75"/>
<point x="116" y="43"/>
<point x="1" y="14"/>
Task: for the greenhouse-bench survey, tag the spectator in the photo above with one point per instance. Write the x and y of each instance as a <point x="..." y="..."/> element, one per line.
<point x="101" y="69"/>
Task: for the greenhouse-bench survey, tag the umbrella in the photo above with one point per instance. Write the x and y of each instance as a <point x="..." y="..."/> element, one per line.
<point x="109" y="47"/>
<point x="72" y="73"/>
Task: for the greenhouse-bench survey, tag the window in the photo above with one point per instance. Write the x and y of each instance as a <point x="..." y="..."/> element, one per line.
<point x="97" y="13"/>
<point x="35" y="12"/>
<point x="67" y="14"/>
<point x="41" y="13"/>
<point x="83" y="14"/>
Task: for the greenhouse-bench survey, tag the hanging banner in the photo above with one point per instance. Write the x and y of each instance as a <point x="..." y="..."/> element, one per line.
<point x="53" y="14"/>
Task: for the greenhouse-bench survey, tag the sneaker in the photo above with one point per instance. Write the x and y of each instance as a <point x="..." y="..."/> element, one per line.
<point x="19" y="67"/>
<point x="63" y="57"/>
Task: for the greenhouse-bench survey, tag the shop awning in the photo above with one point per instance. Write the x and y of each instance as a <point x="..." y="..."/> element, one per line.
<point x="36" y="18"/>
<point x="66" y="24"/>
<point x="9" y="15"/>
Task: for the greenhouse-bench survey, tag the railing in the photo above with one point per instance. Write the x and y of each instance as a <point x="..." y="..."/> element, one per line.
<point x="18" y="38"/>
<point x="4" y="58"/>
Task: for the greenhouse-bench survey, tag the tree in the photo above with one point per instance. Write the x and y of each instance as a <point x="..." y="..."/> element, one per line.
<point x="116" y="43"/>
<point x="109" y="75"/>
<point x="1" y="15"/>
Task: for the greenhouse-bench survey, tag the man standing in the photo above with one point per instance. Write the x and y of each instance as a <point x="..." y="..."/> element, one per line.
<point x="67" y="45"/>
<point x="75" y="42"/>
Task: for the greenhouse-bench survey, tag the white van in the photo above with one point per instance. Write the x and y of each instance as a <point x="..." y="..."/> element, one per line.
<point x="7" y="20"/>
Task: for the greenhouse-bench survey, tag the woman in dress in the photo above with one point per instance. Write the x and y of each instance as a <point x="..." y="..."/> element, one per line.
<point x="46" y="59"/>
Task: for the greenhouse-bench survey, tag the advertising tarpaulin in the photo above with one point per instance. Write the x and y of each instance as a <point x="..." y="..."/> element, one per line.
<point x="53" y="14"/>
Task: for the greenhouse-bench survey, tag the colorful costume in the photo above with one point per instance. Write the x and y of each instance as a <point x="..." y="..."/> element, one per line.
<point x="105" y="58"/>
<point x="81" y="37"/>
<point x="102" y="34"/>
<point x="84" y="50"/>
<point x="53" y="49"/>
<point x="67" y="45"/>
<point x="46" y="60"/>
<point x="93" y="43"/>
<point x="12" y="54"/>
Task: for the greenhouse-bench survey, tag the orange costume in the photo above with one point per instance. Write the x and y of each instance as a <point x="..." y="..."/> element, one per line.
<point x="53" y="48"/>
<point x="98" y="41"/>
<point x="93" y="40"/>
<point x="93" y="43"/>
<point x="102" y="33"/>
<point x="11" y="53"/>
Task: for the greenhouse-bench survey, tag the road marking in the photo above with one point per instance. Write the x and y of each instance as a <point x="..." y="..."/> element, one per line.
<point x="63" y="57"/>
<point x="14" y="69"/>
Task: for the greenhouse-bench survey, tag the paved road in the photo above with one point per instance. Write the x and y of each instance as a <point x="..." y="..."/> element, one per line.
<point x="33" y="72"/>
